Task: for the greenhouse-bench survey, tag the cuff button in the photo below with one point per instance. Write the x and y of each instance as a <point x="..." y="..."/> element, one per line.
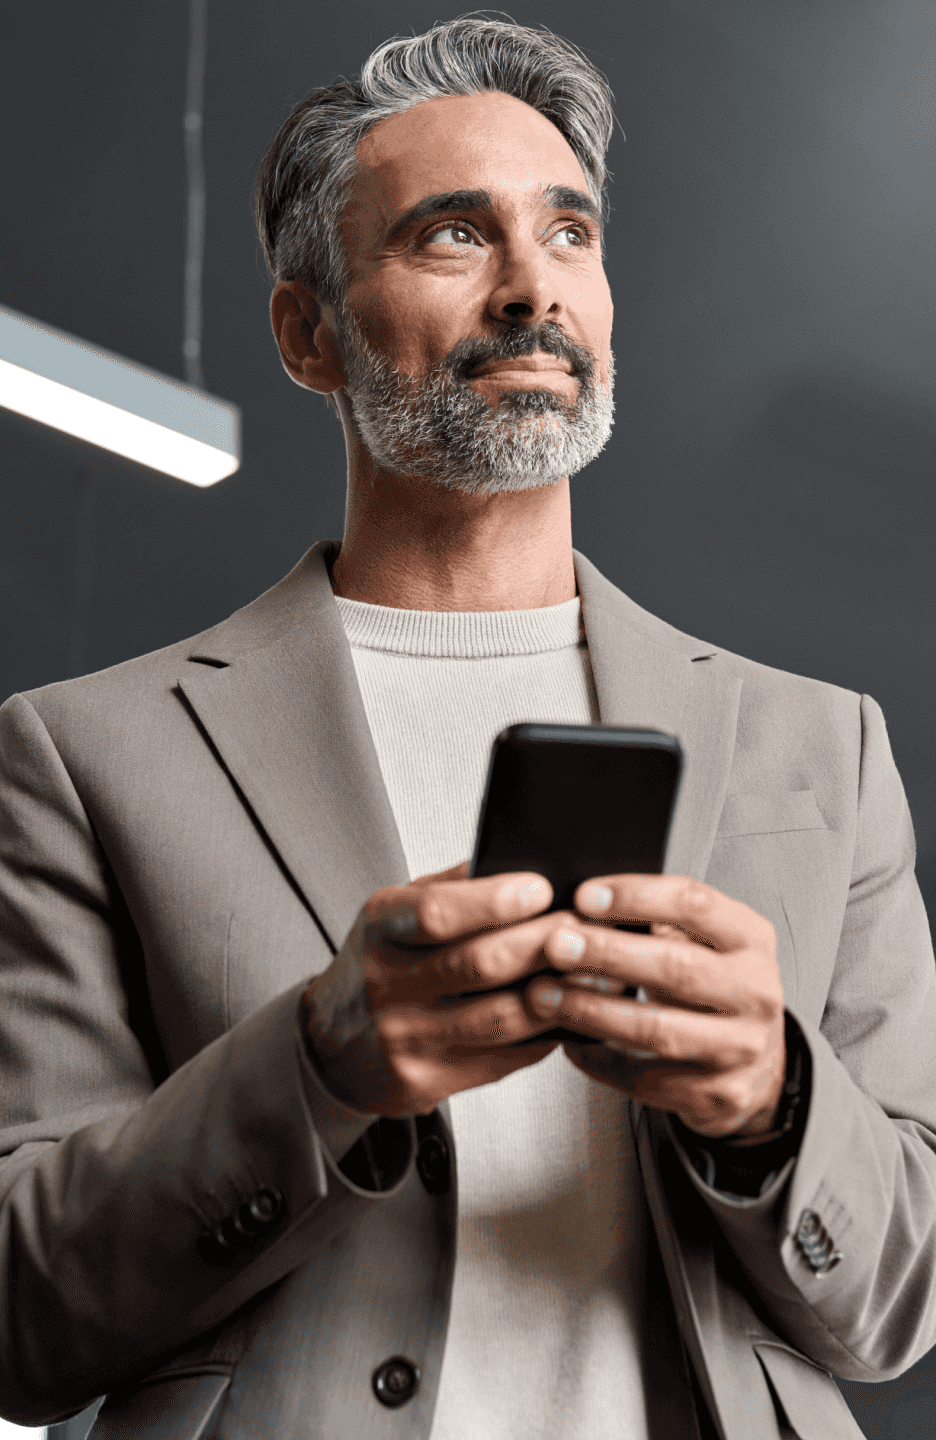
<point x="395" y="1381"/>
<point x="432" y="1164"/>
<point x="264" y="1207"/>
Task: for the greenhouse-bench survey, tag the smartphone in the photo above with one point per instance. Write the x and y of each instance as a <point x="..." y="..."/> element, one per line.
<point x="575" y="801"/>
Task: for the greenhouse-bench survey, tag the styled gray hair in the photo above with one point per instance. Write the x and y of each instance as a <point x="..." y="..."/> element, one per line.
<point x="303" y="182"/>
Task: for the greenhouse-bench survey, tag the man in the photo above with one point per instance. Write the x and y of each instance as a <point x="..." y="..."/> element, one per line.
<point x="243" y="1045"/>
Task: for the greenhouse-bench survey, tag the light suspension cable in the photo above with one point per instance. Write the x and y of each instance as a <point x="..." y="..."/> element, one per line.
<point x="193" y="126"/>
<point x="113" y="402"/>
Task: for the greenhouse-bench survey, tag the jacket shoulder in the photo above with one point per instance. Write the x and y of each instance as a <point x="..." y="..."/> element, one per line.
<point x="144" y="678"/>
<point x="760" y="681"/>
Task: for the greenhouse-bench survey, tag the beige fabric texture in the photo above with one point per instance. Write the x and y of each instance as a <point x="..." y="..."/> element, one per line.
<point x="544" y="1324"/>
<point x="186" y="838"/>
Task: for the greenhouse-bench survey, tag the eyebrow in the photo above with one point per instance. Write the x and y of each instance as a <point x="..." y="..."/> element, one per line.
<point x="563" y="197"/>
<point x="555" y="197"/>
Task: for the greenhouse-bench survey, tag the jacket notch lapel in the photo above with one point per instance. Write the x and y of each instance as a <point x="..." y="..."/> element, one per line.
<point x="280" y="703"/>
<point x="649" y="676"/>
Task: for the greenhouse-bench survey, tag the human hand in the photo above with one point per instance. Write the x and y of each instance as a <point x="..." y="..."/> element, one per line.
<point x="391" y="1022"/>
<point x="708" y="1044"/>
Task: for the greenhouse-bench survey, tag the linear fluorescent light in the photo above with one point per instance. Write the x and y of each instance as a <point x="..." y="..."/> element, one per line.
<point x="98" y="396"/>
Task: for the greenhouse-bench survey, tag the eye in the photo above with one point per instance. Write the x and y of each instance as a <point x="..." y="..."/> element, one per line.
<point x="451" y="235"/>
<point x="572" y="235"/>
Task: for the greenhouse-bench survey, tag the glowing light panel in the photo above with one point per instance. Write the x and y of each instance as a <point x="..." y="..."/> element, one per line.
<point x="112" y="402"/>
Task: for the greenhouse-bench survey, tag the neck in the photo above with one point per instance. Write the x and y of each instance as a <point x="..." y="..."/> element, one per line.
<point x="417" y="546"/>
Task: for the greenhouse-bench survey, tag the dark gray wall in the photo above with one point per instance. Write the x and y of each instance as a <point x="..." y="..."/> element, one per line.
<point x="769" y="486"/>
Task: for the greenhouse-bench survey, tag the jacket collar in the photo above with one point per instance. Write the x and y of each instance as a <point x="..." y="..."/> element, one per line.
<point x="275" y="691"/>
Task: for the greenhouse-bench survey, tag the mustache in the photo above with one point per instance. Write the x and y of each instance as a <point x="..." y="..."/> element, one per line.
<point x="513" y="344"/>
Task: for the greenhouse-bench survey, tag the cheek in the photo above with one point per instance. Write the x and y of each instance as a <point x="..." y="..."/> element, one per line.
<point x="408" y="330"/>
<point x="594" y="313"/>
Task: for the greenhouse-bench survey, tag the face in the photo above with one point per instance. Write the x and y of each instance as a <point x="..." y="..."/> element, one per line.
<point x="477" y="321"/>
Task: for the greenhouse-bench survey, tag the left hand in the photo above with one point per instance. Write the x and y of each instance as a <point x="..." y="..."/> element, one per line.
<point x="712" y="1031"/>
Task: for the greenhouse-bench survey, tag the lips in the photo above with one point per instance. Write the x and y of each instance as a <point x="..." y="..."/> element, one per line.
<point x="531" y="364"/>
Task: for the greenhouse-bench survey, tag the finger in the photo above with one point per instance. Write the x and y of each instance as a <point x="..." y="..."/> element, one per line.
<point x="677" y="900"/>
<point x="675" y="969"/>
<point x="428" y="913"/>
<point x="492" y="959"/>
<point x="493" y="1022"/>
<point x="673" y="1035"/>
<point x="433" y="1078"/>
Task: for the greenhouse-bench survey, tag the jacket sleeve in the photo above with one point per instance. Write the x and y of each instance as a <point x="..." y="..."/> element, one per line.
<point x="841" y="1248"/>
<point x="137" y="1209"/>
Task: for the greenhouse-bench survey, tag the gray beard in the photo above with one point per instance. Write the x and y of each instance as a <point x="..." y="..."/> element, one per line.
<point x="439" y="429"/>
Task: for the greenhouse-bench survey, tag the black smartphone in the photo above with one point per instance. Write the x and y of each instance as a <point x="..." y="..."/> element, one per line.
<point x="574" y="801"/>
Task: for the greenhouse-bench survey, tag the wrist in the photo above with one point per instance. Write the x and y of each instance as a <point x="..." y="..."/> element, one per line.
<point x="745" y="1165"/>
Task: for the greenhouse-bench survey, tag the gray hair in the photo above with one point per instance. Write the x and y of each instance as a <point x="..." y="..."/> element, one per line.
<point x="303" y="181"/>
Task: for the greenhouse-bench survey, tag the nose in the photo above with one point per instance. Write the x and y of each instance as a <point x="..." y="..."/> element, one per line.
<point x="527" y="289"/>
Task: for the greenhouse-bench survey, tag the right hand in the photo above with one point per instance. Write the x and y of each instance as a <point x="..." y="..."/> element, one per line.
<point x="387" y="1032"/>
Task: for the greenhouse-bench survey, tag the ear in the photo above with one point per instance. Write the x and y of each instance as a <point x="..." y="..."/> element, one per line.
<point x="305" y="334"/>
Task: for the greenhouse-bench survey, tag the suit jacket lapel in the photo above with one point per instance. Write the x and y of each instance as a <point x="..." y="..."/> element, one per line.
<point x="275" y="690"/>
<point x="650" y="676"/>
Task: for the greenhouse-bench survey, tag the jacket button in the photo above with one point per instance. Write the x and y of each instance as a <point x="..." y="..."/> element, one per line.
<point x="395" y="1381"/>
<point x="258" y="1212"/>
<point x="432" y="1164"/>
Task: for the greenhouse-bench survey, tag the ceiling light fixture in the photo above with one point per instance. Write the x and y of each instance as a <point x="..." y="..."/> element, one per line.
<point x="124" y="407"/>
<point x="113" y="402"/>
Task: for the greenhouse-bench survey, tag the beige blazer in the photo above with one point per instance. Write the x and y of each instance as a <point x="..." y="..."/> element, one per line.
<point x="186" y="838"/>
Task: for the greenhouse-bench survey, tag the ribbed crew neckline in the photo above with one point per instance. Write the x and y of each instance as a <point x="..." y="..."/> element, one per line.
<point x="461" y="634"/>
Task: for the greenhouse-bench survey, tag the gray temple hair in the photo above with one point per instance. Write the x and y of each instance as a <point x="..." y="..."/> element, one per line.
<point x="303" y="181"/>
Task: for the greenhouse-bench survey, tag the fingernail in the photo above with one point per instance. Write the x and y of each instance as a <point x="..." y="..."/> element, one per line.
<point x="548" y="996"/>
<point x="596" y="897"/>
<point x="531" y="894"/>
<point x="568" y="945"/>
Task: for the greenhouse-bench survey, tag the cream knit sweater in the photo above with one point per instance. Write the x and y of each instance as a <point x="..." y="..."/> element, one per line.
<point x="543" y="1335"/>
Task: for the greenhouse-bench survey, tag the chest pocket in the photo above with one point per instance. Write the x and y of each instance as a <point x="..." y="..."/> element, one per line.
<point x="769" y="812"/>
<point x="765" y="856"/>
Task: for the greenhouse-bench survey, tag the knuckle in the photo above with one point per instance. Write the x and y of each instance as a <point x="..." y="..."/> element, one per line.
<point x="392" y="1032"/>
<point x="493" y="958"/>
<point x="462" y="1032"/>
<point x="696" y="900"/>
<point x="767" y="1004"/>
<point x="679" y="970"/>
<point x="482" y="959"/>
<point x="401" y="1032"/>
<point x="731" y="1095"/>
<point x="656" y="1037"/>
<point x="415" y="1076"/>
<point x="749" y="1051"/>
<point x="464" y="962"/>
<point x="505" y="1011"/>
<point x="435" y="915"/>
<point x="498" y="1016"/>
<point x="495" y="1026"/>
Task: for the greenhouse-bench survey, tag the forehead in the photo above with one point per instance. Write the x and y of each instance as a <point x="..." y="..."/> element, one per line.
<point x="466" y="142"/>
